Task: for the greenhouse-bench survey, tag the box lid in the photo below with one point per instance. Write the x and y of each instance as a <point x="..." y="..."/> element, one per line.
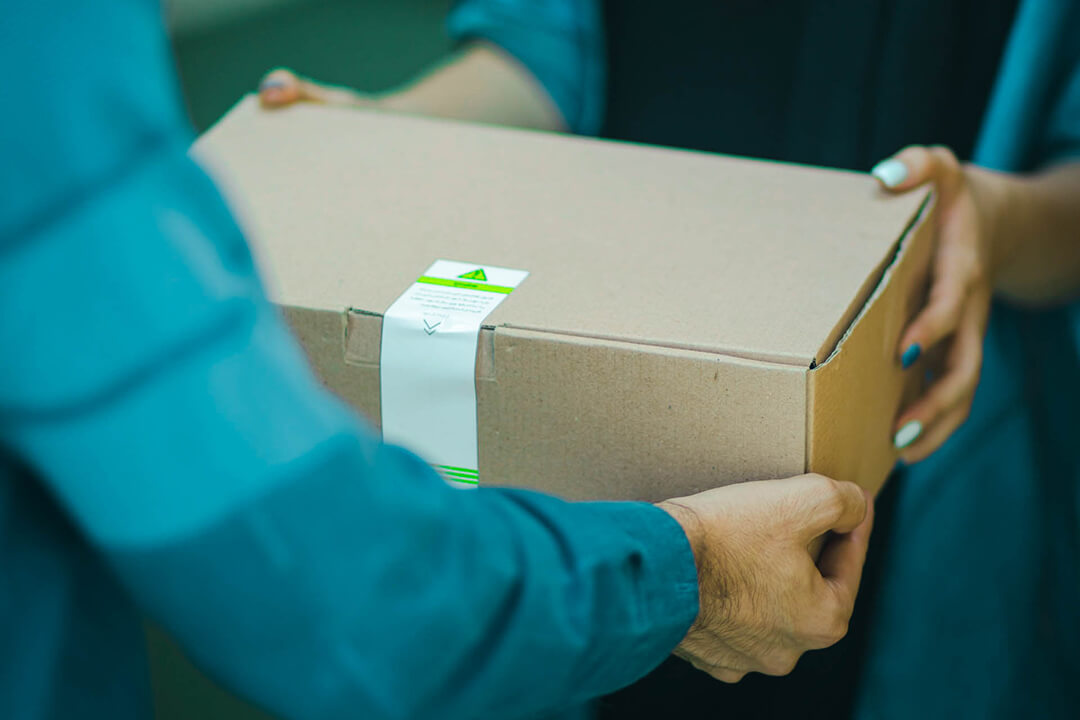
<point x="688" y="250"/>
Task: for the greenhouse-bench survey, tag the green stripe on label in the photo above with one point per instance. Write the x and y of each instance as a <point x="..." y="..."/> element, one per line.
<point x="466" y="471"/>
<point x="460" y="477"/>
<point x="464" y="480"/>
<point x="465" y="285"/>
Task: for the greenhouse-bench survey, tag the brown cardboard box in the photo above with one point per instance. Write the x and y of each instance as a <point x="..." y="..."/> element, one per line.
<point x="690" y="320"/>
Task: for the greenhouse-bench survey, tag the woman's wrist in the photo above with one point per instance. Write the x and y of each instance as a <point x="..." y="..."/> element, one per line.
<point x="1028" y="229"/>
<point x="997" y="196"/>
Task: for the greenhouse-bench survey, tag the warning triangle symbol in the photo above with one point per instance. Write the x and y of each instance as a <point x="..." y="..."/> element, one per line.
<point x="477" y="274"/>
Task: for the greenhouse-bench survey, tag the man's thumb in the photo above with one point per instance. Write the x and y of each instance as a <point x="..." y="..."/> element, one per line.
<point x="831" y="505"/>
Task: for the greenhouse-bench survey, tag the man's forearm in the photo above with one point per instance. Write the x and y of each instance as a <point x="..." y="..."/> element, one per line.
<point x="480" y="84"/>
<point x="1034" y="226"/>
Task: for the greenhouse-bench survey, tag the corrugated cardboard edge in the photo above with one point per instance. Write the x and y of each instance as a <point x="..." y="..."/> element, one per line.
<point x="324" y="337"/>
<point x="590" y="419"/>
<point x="866" y="292"/>
<point x="619" y="394"/>
<point x="853" y="398"/>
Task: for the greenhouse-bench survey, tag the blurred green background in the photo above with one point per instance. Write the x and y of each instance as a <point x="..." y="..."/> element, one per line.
<point x="223" y="47"/>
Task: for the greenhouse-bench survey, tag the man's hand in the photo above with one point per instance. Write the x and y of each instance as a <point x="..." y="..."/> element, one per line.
<point x="763" y="600"/>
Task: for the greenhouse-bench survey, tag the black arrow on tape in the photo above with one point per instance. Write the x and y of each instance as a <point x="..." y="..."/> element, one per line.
<point x="429" y="328"/>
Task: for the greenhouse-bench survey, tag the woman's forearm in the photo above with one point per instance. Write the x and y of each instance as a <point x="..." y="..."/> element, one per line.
<point x="1034" y="227"/>
<point x="480" y="84"/>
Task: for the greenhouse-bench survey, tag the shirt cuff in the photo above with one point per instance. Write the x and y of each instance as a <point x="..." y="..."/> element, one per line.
<point x="671" y="583"/>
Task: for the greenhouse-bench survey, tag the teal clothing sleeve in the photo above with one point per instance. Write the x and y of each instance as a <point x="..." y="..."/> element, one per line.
<point x="157" y="394"/>
<point x="1063" y="134"/>
<point x="561" y="42"/>
<point x="1033" y="119"/>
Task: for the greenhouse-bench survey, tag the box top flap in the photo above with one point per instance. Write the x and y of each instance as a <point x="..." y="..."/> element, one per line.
<point x="690" y="250"/>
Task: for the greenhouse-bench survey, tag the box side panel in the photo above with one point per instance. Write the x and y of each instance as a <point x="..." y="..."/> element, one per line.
<point x="588" y="419"/>
<point x="856" y="395"/>
<point x="323" y="335"/>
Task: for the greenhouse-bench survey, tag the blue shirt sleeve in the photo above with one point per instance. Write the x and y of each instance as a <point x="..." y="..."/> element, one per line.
<point x="1063" y="127"/>
<point x="1033" y="118"/>
<point x="561" y="42"/>
<point x="157" y="393"/>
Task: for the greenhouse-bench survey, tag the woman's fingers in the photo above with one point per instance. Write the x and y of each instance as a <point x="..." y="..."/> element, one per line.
<point x="279" y="87"/>
<point x="283" y="87"/>
<point x="957" y="276"/>
<point x="958" y="304"/>
<point x="935" y="435"/>
<point x="937" y="320"/>
<point x="955" y="263"/>
<point x="924" y="426"/>
<point x="918" y="164"/>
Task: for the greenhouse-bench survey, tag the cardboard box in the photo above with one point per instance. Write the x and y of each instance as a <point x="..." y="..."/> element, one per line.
<point x="689" y="320"/>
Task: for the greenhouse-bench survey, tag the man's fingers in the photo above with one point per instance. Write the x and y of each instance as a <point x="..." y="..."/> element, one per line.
<point x="841" y="564"/>
<point x="843" y="555"/>
<point x="726" y="674"/>
<point x="830" y="505"/>
<point x="718" y="667"/>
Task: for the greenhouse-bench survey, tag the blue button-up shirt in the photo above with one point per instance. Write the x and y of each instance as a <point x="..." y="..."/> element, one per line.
<point x="165" y="448"/>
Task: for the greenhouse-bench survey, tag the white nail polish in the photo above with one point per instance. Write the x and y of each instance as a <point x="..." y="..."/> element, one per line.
<point x="890" y="172"/>
<point x="907" y="434"/>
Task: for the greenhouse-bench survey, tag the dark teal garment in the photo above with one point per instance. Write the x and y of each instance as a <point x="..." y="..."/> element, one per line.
<point x="985" y="549"/>
<point x="165" y="449"/>
<point x="975" y="613"/>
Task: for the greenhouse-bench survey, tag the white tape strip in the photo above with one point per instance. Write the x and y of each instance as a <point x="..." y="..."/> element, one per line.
<point x="428" y="363"/>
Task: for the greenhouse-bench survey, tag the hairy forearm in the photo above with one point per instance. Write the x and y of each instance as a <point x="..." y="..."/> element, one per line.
<point x="480" y="84"/>
<point x="1034" y="226"/>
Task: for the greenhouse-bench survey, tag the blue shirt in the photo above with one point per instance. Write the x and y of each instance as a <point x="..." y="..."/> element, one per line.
<point x="165" y="448"/>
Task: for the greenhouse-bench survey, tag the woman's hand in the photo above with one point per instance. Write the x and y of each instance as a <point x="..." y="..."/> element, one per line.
<point x="283" y="87"/>
<point x="955" y="317"/>
<point x="481" y="83"/>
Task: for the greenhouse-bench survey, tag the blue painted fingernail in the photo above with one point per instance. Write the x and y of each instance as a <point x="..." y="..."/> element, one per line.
<point x="910" y="355"/>
<point x="890" y="172"/>
<point x="908" y="434"/>
<point x="271" y="84"/>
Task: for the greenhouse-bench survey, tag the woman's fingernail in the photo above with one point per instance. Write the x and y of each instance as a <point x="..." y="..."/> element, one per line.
<point x="890" y="172"/>
<point x="907" y="434"/>
<point x="271" y="84"/>
<point x="910" y="355"/>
